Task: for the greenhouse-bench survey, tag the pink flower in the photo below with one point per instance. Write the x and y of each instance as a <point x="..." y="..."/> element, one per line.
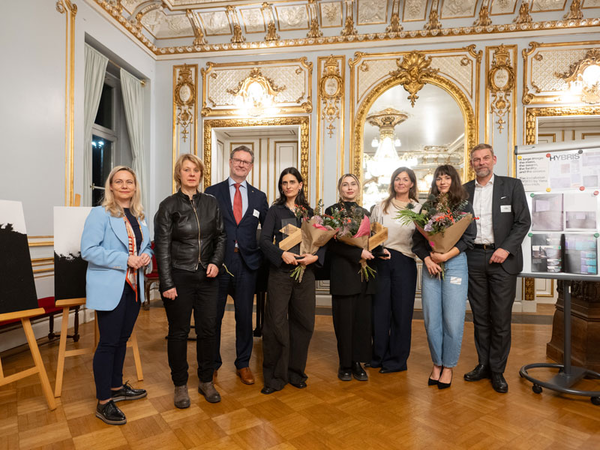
<point x="432" y="244"/>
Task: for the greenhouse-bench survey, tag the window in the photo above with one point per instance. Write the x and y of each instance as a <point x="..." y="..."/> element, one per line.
<point x="110" y="140"/>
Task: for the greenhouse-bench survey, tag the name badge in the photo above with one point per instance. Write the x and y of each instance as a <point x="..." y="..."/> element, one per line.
<point x="256" y="214"/>
<point x="505" y="208"/>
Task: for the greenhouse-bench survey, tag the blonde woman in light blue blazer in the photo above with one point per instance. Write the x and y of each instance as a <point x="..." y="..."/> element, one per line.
<point x="116" y="244"/>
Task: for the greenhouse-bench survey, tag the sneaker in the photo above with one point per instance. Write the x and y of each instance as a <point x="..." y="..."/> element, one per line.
<point x="127" y="393"/>
<point x="182" y="398"/>
<point x="210" y="393"/>
<point x="109" y="413"/>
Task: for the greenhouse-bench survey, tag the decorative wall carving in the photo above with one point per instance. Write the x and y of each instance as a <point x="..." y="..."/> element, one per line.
<point x="454" y="9"/>
<point x="411" y="73"/>
<point x="330" y="118"/>
<point x="532" y="113"/>
<point x="349" y="29"/>
<point x="331" y="14"/>
<point x="185" y="110"/>
<point x="543" y="66"/>
<point x="500" y="84"/>
<point x="503" y="7"/>
<point x="292" y="17"/>
<point x="371" y="12"/>
<point x="547" y="5"/>
<point x="293" y="77"/>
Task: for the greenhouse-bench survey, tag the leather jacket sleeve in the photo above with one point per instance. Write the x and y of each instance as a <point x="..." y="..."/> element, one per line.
<point x="163" y="234"/>
<point x="220" y="239"/>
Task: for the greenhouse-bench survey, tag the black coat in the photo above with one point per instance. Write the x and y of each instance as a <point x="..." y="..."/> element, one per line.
<point x="184" y="227"/>
<point x="344" y="263"/>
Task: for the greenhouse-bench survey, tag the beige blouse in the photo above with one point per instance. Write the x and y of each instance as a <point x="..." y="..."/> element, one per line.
<point x="399" y="235"/>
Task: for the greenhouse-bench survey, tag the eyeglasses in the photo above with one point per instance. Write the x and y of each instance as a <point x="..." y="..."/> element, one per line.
<point x="241" y="162"/>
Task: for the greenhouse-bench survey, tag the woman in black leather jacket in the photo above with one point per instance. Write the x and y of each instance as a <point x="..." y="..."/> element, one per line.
<point x="189" y="239"/>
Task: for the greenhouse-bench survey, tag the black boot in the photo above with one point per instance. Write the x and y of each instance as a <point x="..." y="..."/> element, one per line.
<point x="358" y="372"/>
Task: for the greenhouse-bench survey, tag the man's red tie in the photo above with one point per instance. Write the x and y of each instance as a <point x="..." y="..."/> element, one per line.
<point x="237" y="203"/>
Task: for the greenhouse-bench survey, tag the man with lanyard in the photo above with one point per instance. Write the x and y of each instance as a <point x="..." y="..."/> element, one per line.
<point x="243" y="208"/>
<point x="503" y="220"/>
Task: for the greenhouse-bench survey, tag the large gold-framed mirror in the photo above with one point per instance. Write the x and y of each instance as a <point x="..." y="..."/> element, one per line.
<point x="438" y="129"/>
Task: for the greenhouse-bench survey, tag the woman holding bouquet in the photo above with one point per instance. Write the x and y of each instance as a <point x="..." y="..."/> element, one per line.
<point x="445" y="280"/>
<point x="350" y="292"/>
<point x="394" y="301"/>
<point x="290" y="308"/>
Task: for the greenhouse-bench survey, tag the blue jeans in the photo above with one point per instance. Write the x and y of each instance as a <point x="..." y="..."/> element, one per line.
<point x="444" y="304"/>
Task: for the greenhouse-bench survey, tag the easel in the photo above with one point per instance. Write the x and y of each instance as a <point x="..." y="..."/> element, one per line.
<point x="63" y="353"/>
<point x="39" y="368"/>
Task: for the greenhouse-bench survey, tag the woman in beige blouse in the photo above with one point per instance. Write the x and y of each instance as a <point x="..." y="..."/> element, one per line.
<point x="396" y="277"/>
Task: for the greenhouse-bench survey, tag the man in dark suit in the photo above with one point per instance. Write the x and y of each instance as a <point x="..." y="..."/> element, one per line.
<point x="243" y="207"/>
<point x="503" y="220"/>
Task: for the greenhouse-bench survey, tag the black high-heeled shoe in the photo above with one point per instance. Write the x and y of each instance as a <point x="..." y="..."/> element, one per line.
<point x="431" y="381"/>
<point x="442" y="385"/>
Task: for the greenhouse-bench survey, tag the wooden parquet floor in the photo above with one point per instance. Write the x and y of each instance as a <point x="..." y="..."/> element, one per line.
<point x="389" y="411"/>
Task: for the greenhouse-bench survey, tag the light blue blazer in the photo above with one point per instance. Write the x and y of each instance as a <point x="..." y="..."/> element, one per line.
<point x="104" y="245"/>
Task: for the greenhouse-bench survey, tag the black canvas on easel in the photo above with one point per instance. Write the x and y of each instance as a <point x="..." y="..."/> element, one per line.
<point x="17" y="286"/>
<point x="69" y="267"/>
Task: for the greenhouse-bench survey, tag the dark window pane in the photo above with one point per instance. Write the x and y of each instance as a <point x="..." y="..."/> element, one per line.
<point x="101" y="166"/>
<point x="104" y="117"/>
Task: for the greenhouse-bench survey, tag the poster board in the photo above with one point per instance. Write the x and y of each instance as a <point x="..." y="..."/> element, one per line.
<point x="562" y="184"/>
<point x="69" y="267"/>
<point x="17" y="286"/>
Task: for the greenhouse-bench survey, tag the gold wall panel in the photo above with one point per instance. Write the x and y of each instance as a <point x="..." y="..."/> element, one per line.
<point x="331" y="74"/>
<point x="542" y="63"/>
<point x="185" y="111"/>
<point x="294" y="76"/>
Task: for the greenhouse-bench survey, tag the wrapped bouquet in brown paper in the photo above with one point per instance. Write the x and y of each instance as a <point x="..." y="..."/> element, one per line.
<point x="441" y="225"/>
<point x="359" y="232"/>
<point x="313" y="234"/>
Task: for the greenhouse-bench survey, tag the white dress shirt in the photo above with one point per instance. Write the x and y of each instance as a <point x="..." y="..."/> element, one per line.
<point x="482" y="205"/>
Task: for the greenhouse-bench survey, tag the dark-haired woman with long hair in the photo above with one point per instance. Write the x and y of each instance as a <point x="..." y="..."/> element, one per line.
<point x="394" y="301"/>
<point x="445" y="295"/>
<point x="290" y="308"/>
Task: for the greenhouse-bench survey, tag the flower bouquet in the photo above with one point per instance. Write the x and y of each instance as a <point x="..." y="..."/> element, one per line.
<point x="357" y="230"/>
<point x="313" y="234"/>
<point x="441" y="224"/>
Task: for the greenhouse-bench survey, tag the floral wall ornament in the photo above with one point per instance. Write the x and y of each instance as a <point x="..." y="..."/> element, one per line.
<point x="267" y="10"/>
<point x="524" y="16"/>
<point x="583" y="77"/>
<point x="199" y="38"/>
<point x="185" y="99"/>
<point x="411" y="71"/>
<point x="575" y="11"/>
<point x="237" y="37"/>
<point x="501" y="80"/>
<point x="331" y="89"/>
<point x="256" y="92"/>
<point x="314" y="31"/>
<point x="395" y="26"/>
<point x="349" y="29"/>
<point x="484" y="17"/>
<point x="433" y="23"/>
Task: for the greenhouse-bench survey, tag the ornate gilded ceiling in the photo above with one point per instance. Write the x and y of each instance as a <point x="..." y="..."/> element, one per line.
<point x="198" y="26"/>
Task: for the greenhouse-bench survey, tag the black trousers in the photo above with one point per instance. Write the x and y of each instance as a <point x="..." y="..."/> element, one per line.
<point x="352" y="325"/>
<point x="393" y="306"/>
<point x="288" y="327"/>
<point x="241" y="288"/>
<point x="115" y="329"/>
<point x="197" y="292"/>
<point x="491" y="295"/>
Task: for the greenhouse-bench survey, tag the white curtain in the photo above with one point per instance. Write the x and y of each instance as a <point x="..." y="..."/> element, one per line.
<point x="133" y="101"/>
<point x="95" y="70"/>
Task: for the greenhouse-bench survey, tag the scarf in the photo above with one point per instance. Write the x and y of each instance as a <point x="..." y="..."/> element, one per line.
<point x="131" y="276"/>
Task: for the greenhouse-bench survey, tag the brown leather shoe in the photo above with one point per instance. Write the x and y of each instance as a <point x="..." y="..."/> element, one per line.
<point x="245" y="375"/>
